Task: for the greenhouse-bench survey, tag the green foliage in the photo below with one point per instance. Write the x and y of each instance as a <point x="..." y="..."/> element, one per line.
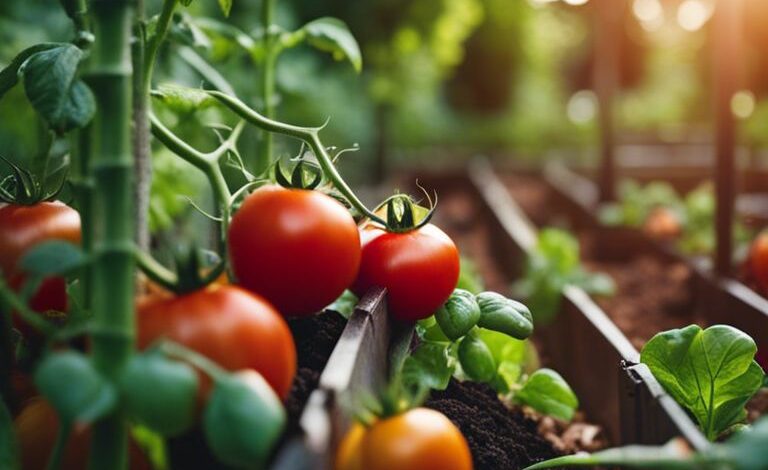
<point x="160" y="393"/>
<point x="458" y="315"/>
<point x="243" y="420"/>
<point x="554" y="264"/>
<point x="744" y="451"/>
<point x="332" y="35"/>
<point x="9" y="458"/>
<point x="182" y="100"/>
<point x="469" y="277"/>
<point x="711" y="372"/>
<point x="53" y="89"/>
<point x="495" y="356"/>
<point x="507" y="316"/>
<point x="55" y="257"/>
<point x="345" y="304"/>
<point x="637" y="202"/>
<point x="547" y="391"/>
<point x="71" y="384"/>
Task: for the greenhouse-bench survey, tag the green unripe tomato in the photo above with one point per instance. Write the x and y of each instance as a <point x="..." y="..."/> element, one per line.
<point x="458" y="315"/>
<point x="160" y="393"/>
<point x="504" y="315"/>
<point x="476" y="359"/>
<point x="243" y="420"/>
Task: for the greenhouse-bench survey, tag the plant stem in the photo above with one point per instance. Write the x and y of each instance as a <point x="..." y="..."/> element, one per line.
<point x="264" y="154"/>
<point x="144" y="57"/>
<point x="112" y="211"/>
<point x="306" y="134"/>
<point x="62" y="437"/>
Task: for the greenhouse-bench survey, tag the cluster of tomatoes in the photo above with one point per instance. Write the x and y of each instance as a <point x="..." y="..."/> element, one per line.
<point x="292" y="252"/>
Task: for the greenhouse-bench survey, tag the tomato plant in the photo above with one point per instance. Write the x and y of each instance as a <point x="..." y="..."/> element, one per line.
<point x="418" y="439"/>
<point x="281" y="240"/>
<point x="227" y="324"/>
<point x="417" y="262"/>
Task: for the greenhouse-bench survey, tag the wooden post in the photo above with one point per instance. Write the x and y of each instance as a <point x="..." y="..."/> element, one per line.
<point x="726" y="31"/>
<point x="607" y="16"/>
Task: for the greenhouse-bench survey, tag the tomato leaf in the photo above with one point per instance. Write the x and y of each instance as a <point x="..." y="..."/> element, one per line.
<point x="74" y="388"/>
<point x="547" y="392"/>
<point x="711" y="372"/>
<point x="428" y="367"/>
<point x="181" y="99"/>
<point x="345" y="304"/>
<point x="510" y="355"/>
<point x="225" y="6"/>
<point x="8" y="455"/>
<point x="243" y="420"/>
<point x="332" y="35"/>
<point x="9" y="76"/>
<point x="160" y="393"/>
<point x="53" y="89"/>
<point x="459" y="314"/>
<point x="54" y="257"/>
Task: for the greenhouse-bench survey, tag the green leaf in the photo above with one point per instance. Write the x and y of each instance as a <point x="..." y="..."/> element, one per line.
<point x="332" y="35"/>
<point x="476" y="359"/>
<point x="429" y="330"/>
<point x="53" y="89"/>
<point x="547" y="392"/>
<point x="9" y="76"/>
<point x="711" y="372"/>
<point x="504" y="315"/>
<point x="510" y="355"/>
<point x="54" y="257"/>
<point x="469" y="277"/>
<point x="9" y="458"/>
<point x="160" y="393"/>
<point x="428" y="367"/>
<point x="226" y="6"/>
<point x="74" y="388"/>
<point x="243" y="420"/>
<point x="459" y="314"/>
<point x="345" y="304"/>
<point x="181" y="99"/>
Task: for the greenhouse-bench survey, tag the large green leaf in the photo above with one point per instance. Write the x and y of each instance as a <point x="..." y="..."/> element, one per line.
<point x="332" y="35"/>
<point x="9" y="458"/>
<point x="547" y="392"/>
<point x="711" y="372"/>
<point x="182" y="99"/>
<point x="9" y="76"/>
<point x="52" y="87"/>
<point x="428" y="367"/>
<point x="54" y="257"/>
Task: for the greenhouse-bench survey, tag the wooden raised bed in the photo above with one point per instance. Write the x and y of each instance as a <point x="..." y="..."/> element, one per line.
<point x="716" y="300"/>
<point x="358" y="365"/>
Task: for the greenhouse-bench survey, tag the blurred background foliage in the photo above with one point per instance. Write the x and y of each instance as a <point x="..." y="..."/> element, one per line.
<point x="441" y="80"/>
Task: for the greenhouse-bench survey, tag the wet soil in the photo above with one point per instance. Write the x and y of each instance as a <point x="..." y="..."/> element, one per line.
<point x="498" y="437"/>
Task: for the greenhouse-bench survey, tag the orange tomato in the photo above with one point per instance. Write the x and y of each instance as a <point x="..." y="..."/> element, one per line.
<point x="419" y="439"/>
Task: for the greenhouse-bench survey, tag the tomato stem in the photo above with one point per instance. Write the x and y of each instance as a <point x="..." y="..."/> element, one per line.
<point x="111" y="226"/>
<point x="173" y="349"/>
<point x="156" y="271"/>
<point x="17" y="305"/>
<point x="62" y="437"/>
<point x="307" y="134"/>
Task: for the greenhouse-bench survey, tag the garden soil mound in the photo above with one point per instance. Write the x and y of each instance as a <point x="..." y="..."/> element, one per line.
<point x="499" y="438"/>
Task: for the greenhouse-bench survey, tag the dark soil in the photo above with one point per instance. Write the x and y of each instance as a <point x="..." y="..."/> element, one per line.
<point x="498" y="437"/>
<point x="315" y="339"/>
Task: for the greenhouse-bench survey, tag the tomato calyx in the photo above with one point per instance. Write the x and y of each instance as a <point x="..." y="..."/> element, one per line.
<point x="189" y="268"/>
<point x="304" y="175"/>
<point x="23" y="187"/>
<point x="393" y="400"/>
<point x="402" y="214"/>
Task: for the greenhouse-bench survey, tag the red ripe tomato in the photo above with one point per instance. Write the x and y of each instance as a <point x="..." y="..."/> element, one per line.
<point x="419" y="268"/>
<point x="232" y="327"/>
<point x="36" y="428"/>
<point x="757" y="262"/>
<point x="298" y="248"/>
<point x="21" y="228"/>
